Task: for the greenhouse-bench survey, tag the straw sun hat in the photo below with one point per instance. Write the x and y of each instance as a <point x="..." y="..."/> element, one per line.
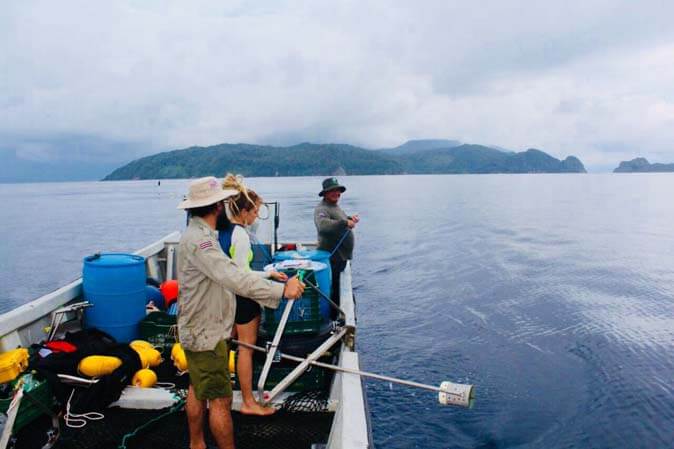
<point x="204" y="192"/>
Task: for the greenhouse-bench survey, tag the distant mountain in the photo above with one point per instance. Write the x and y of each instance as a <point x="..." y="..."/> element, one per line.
<point x="641" y="165"/>
<point x="496" y="147"/>
<point x="305" y="159"/>
<point x="14" y="169"/>
<point x="415" y="146"/>
<point x="481" y="159"/>
<point x="308" y="159"/>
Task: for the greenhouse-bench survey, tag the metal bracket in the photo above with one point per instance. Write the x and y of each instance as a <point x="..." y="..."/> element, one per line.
<point x="170" y="258"/>
<point x="277" y="354"/>
<point x="57" y="316"/>
<point x="302" y="367"/>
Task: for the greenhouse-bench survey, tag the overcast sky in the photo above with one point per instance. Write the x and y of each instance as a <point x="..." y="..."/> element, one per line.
<point x="115" y="80"/>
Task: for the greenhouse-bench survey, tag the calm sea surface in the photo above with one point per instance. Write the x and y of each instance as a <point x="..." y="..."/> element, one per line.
<point x="553" y="294"/>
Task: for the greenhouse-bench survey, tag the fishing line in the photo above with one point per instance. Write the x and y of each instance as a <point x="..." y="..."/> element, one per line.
<point x="340" y="242"/>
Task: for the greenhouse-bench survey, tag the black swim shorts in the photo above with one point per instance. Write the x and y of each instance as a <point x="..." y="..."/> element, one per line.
<point x="246" y="310"/>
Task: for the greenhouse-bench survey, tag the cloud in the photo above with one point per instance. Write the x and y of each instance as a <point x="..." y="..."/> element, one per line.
<point x="593" y="79"/>
<point x="71" y="147"/>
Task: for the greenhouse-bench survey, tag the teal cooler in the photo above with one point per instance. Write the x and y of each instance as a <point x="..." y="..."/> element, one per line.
<point x="114" y="284"/>
<point x="323" y="277"/>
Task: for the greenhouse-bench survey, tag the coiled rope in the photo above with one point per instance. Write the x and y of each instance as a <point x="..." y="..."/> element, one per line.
<point x="77" y="421"/>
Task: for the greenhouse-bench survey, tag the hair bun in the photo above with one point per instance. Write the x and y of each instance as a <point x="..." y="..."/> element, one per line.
<point x="232" y="181"/>
<point x="245" y="199"/>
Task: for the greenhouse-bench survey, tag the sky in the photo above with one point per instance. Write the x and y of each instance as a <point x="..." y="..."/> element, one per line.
<point x="108" y="82"/>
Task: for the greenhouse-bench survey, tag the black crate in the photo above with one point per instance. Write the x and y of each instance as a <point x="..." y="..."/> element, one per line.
<point x="161" y="330"/>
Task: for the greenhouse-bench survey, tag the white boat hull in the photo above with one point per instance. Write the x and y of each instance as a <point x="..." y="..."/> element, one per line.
<point x="30" y="323"/>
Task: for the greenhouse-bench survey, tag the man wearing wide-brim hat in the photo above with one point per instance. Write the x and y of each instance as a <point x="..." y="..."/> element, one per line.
<point x="209" y="281"/>
<point x="335" y="230"/>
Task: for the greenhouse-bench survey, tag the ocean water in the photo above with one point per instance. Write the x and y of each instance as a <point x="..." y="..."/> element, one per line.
<point x="553" y="294"/>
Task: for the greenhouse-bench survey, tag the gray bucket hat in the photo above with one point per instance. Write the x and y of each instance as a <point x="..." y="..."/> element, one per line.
<point x="331" y="184"/>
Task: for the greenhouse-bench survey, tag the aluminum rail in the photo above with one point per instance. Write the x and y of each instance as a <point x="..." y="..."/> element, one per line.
<point x="450" y="393"/>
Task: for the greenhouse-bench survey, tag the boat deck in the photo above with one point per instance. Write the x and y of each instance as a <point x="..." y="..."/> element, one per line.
<point x="329" y="411"/>
<point x="286" y="429"/>
<point x="301" y="421"/>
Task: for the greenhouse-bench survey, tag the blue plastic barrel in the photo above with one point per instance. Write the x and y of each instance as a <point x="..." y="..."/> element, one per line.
<point x="115" y="286"/>
<point x="323" y="277"/>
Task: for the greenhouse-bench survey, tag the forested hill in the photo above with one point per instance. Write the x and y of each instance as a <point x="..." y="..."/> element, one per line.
<point x="308" y="159"/>
<point x="481" y="159"/>
<point x="253" y="160"/>
<point x="641" y="165"/>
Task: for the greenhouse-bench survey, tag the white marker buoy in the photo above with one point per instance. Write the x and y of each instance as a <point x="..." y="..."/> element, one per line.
<point x="455" y="394"/>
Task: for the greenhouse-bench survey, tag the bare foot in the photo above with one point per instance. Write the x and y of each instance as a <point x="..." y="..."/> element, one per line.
<point x="256" y="409"/>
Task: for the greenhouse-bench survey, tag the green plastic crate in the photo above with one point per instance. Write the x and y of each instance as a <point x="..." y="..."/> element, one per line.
<point x="305" y="316"/>
<point x="37" y="401"/>
<point x="160" y="329"/>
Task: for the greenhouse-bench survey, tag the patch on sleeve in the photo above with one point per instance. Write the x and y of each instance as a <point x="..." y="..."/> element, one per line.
<point x="206" y="244"/>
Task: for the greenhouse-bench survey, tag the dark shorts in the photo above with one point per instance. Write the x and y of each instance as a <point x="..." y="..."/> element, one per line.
<point x="209" y="372"/>
<point x="246" y="310"/>
<point x="337" y="266"/>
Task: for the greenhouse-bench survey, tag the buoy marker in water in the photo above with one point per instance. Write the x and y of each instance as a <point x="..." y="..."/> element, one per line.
<point x="456" y="394"/>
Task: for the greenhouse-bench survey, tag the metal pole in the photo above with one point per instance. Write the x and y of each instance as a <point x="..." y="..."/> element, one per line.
<point x="353" y="371"/>
<point x="12" y="412"/>
<point x="272" y="350"/>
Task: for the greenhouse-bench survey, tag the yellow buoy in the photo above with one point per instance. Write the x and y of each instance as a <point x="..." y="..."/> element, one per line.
<point x="153" y="357"/>
<point x="98" y="365"/>
<point x="141" y="344"/>
<point x="232" y="362"/>
<point x="144" y="378"/>
<point x="149" y="357"/>
<point x="178" y="357"/>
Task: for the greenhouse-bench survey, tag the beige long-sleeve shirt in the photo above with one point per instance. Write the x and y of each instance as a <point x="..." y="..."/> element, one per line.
<point x="209" y="281"/>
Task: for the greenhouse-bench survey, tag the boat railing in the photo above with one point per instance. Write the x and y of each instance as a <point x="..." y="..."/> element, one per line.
<point x="26" y="324"/>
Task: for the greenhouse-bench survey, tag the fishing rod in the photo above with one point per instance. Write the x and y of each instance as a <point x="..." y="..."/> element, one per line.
<point x="332" y="303"/>
<point x="449" y="393"/>
<point x="339" y="243"/>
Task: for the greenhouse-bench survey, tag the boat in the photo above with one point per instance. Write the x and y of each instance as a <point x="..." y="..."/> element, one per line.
<point x="313" y="380"/>
<point x="335" y="418"/>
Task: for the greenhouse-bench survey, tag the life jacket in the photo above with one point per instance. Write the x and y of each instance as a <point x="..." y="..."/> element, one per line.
<point x="225" y="239"/>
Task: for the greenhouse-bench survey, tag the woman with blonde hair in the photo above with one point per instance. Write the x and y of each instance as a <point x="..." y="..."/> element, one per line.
<point x="241" y="212"/>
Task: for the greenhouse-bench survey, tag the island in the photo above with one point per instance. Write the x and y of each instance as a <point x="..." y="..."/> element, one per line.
<point x="641" y="165"/>
<point x="309" y="159"/>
